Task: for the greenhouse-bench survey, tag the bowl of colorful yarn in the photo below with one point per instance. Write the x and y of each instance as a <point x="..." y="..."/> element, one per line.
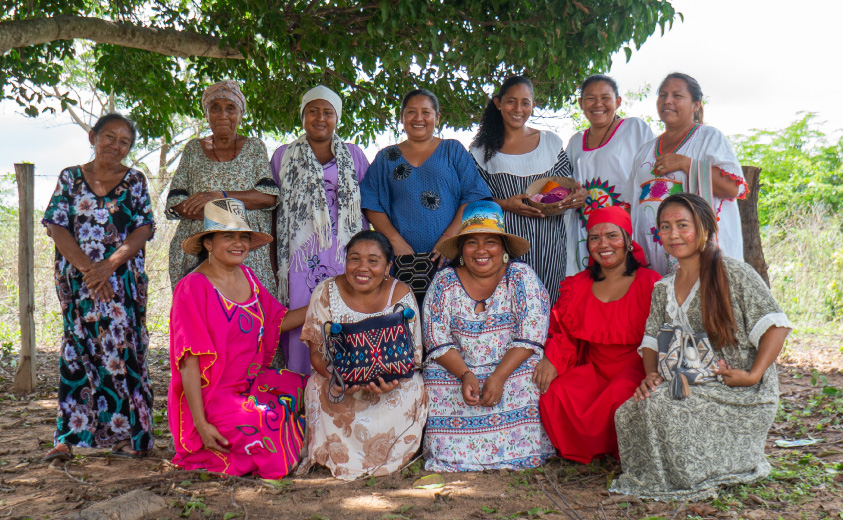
<point x="546" y="193"/>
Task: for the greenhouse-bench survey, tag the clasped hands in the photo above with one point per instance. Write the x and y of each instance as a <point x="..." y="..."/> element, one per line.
<point x="97" y="276"/>
<point x="731" y="377"/>
<point x="489" y="396"/>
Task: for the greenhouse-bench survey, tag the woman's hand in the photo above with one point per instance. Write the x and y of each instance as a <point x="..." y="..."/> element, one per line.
<point x="575" y="200"/>
<point x="382" y="387"/>
<point x="212" y="438"/>
<point x="671" y="162"/>
<point x="544" y="374"/>
<point x="649" y="384"/>
<point x="436" y="254"/>
<point x="470" y="389"/>
<point x="492" y="390"/>
<point x="194" y="207"/>
<point x="400" y="246"/>
<point x="515" y="204"/>
<point x="733" y="376"/>
<point x="98" y="278"/>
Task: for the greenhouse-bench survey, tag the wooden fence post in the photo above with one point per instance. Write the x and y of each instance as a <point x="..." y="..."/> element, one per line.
<point x="25" y="375"/>
<point x="753" y="254"/>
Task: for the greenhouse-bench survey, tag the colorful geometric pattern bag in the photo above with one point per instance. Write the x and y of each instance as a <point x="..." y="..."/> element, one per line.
<point x="380" y="346"/>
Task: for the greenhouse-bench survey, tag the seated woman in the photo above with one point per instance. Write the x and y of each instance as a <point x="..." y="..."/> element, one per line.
<point x="708" y="427"/>
<point x="485" y="322"/>
<point x="228" y="411"/>
<point x="596" y="327"/>
<point x="375" y="429"/>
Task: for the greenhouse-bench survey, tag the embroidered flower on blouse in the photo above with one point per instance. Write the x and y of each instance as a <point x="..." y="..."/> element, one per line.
<point x="393" y="153"/>
<point x="430" y="200"/>
<point x="402" y="171"/>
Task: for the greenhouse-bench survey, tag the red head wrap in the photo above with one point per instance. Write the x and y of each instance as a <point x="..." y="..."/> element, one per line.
<point x="619" y="217"/>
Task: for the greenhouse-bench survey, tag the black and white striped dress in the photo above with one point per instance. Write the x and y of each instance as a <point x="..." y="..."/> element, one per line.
<point x="509" y="175"/>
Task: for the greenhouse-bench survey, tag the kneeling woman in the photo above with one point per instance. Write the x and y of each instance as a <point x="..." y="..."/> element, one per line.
<point x="700" y="417"/>
<point x="595" y="329"/>
<point x="377" y="428"/>
<point x="228" y="411"/>
<point x="485" y="323"/>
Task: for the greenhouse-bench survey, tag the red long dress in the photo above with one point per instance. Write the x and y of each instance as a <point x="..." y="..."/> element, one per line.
<point x="593" y="345"/>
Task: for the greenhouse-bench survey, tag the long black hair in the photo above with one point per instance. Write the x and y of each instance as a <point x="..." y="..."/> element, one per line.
<point x="490" y="136"/>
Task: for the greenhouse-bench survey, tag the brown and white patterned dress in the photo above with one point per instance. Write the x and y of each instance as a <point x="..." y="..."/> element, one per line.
<point x="196" y="173"/>
<point x="686" y="449"/>
<point x="365" y="434"/>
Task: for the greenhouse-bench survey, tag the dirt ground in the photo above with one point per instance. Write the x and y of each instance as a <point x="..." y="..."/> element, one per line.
<point x="30" y="488"/>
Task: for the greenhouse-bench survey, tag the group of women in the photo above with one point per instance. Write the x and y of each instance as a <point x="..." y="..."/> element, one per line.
<point x="511" y="362"/>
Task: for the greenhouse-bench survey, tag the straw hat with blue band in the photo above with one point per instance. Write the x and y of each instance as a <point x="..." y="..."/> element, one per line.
<point x="484" y="216"/>
<point x="224" y="215"/>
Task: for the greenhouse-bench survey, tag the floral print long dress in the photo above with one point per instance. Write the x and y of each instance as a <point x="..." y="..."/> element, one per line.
<point x="104" y="391"/>
<point x="510" y="434"/>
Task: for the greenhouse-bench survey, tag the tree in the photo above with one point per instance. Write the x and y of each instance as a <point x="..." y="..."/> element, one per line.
<point x="801" y="168"/>
<point x="160" y="54"/>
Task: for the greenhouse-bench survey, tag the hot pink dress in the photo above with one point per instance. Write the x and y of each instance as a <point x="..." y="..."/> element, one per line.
<point x="256" y="408"/>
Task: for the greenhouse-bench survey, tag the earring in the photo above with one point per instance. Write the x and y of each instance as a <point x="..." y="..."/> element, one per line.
<point x="462" y="262"/>
<point x="506" y="258"/>
<point x="630" y="248"/>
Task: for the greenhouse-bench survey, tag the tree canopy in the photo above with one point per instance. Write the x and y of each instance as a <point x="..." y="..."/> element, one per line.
<point x="159" y="55"/>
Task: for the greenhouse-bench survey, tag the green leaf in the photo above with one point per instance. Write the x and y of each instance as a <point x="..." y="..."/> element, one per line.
<point x="434" y="481"/>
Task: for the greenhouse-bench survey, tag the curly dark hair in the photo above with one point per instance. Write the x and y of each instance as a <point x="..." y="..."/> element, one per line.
<point x="490" y="135"/>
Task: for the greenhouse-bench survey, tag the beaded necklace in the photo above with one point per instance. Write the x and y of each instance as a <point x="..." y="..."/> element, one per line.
<point x="678" y="146"/>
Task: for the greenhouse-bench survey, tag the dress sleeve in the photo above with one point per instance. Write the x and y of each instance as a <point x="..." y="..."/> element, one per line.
<point x="561" y="348"/>
<point x="262" y="174"/>
<point x="658" y="304"/>
<point x="275" y="164"/>
<point x="189" y="325"/>
<point x="760" y="311"/>
<point x="719" y="153"/>
<point x="374" y="191"/>
<point x="472" y="185"/>
<point x="361" y="166"/>
<point x="141" y="205"/>
<point x="436" y="323"/>
<point x="60" y="209"/>
<point x="180" y="185"/>
<point x="318" y="312"/>
<point x="531" y="306"/>
<point x="274" y="313"/>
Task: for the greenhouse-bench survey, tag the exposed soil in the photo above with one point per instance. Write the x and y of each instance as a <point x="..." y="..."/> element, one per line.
<point x="30" y="488"/>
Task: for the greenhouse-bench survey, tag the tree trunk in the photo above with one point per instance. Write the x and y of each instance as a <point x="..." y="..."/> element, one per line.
<point x="752" y="252"/>
<point x="25" y="373"/>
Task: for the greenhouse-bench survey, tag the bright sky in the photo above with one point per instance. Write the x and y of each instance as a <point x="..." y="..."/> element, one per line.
<point x="759" y="62"/>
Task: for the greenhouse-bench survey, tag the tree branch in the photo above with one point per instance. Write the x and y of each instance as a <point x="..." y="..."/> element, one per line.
<point x="35" y="31"/>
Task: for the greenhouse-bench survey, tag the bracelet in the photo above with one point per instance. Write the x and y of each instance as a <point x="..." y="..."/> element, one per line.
<point x="224" y="194"/>
<point x="467" y="371"/>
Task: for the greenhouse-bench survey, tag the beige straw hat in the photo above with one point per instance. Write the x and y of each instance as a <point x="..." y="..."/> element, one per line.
<point x="224" y="215"/>
<point x="483" y="216"/>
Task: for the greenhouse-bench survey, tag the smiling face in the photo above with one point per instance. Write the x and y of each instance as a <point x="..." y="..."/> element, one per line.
<point x="516" y="105"/>
<point x="483" y="254"/>
<point x="227" y="247"/>
<point x="419" y="118"/>
<point x="607" y="245"/>
<point x="366" y="266"/>
<point x="599" y="104"/>
<point x="112" y="143"/>
<point x="224" y="117"/>
<point x="320" y="120"/>
<point x="675" y="104"/>
<point x="678" y="232"/>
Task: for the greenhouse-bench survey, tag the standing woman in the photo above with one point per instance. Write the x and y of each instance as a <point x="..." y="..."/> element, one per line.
<point x="688" y="156"/>
<point x="683" y="441"/>
<point x="224" y="164"/>
<point x="319" y="211"/>
<point x="100" y="218"/>
<point x="602" y="154"/>
<point x="510" y="156"/>
<point x="415" y="191"/>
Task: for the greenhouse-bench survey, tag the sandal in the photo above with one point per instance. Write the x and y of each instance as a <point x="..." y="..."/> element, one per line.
<point x="124" y="449"/>
<point x="60" y="451"/>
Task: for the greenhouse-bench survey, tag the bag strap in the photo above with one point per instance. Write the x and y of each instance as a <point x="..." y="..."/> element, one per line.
<point x="391" y="291"/>
<point x="330" y="350"/>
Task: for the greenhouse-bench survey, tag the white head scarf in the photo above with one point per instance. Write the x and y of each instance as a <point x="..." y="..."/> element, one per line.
<point x="322" y="92"/>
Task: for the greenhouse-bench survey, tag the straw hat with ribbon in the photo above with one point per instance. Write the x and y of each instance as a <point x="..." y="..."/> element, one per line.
<point x="484" y="216"/>
<point x="224" y="215"/>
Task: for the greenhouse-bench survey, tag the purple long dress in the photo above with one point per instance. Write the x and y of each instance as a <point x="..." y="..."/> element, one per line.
<point x="320" y="266"/>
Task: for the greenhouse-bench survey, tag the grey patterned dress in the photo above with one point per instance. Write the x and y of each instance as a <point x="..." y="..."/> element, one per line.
<point x="685" y="449"/>
<point x="195" y="173"/>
